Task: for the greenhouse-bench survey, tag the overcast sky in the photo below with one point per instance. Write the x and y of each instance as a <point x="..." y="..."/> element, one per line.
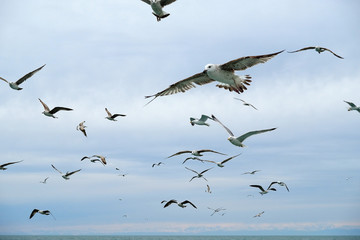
<point x="113" y="53"/>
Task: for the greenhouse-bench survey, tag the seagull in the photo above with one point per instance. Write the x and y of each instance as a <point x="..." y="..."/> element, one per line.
<point x="352" y="107"/>
<point x="318" y="49"/>
<point x="281" y="184"/>
<point x="252" y="172"/>
<point x="67" y="174"/>
<point x="263" y="191"/>
<point x="157" y="7"/>
<point x="197" y="153"/>
<point x="238" y="141"/>
<point x="193" y="158"/>
<point x="15" y="85"/>
<point x="81" y="127"/>
<point x="3" y="166"/>
<point x="112" y="117"/>
<point x="44" y="182"/>
<point x="50" y="113"/>
<point x="259" y="214"/>
<point x="200" y="121"/>
<point x="199" y="175"/>
<point x="216" y="210"/>
<point x="208" y="189"/>
<point x="181" y="204"/>
<point x="157" y="164"/>
<point x="102" y="158"/>
<point x="224" y="74"/>
<point x="43" y="212"/>
<point x="246" y="103"/>
<point x="221" y="164"/>
<point x="93" y="160"/>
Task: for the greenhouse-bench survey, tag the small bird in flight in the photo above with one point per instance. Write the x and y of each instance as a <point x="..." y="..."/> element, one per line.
<point x="353" y="107"/>
<point x="252" y="172"/>
<point x="318" y="49"/>
<point x="281" y="184"/>
<point x="15" y="85"/>
<point x="44" y="181"/>
<point x="216" y="210"/>
<point x="67" y="174"/>
<point x="43" y="212"/>
<point x="221" y="164"/>
<point x="112" y="117"/>
<point x="50" y="113"/>
<point x="200" y="121"/>
<point x="157" y="7"/>
<point x="246" y="103"/>
<point x="3" y="166"/>
<point x="238" y="141"/>
<point x="197" y="153"/>
<point x="259" y="214"/>
<point x="199" y="175"/>
<point x="263" y="191"/>
<point x="181" y="204"/>
<point x="81" y="127"/>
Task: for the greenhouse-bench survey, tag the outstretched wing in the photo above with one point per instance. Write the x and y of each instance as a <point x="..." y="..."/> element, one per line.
<point x="258" y="186"/>
<point x="71" y="173"/>
<point x="246" y="62"/>
<point x="56" y="109"/>
<point x="228" y="159"/>
<point x="170" y="202"/>
<point x="351" y="104"/>
<point x="205" y="170"/>
<point x="302" y="49"/>
<point x="178" y="153"/>
<point x="246" y="135"/>
<point x="146" y="1"/>
<point x="4" y="79"/>
<point x="56" y="169"/>
<point x="33" y="213"/>
<point x="187" y="201"/>
<point x="217" y="120"/>
<point x="204" y="118"/>
<point x="118" y="115"/>
<point x="209" y="150"/>
<point x="9" y="163"/>
<point x="183" y="85"/>
<point x="108" y="113"/>
<point x="192" y="170"/>
<point x="21" y="80"/>
<point x="45" y="106"/>
<point x="333" y="53"/>
<point x="166" y="2"/>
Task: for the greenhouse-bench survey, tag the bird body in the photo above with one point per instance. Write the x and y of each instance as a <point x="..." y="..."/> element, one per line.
<point x="353" y="107"/>
<point x="50" y="113"/>
<point x="200" y="121"/>
<point x="15" y="85"/>
<point x="81" y="127"/>
<point x="224" y="74"/>
<point x="112" y="117"/>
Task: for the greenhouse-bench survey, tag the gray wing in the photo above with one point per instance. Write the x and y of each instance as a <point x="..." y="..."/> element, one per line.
<point x="246" y="135"/>
<point x="208" y="150"/>
<point x="246" y="62"/>
<point x="302" y="49"/>
<point x="56" y="169"/>
<point x="228" y="159"/>
<point x="205" y="170"/>
<point x="166" y="2"/>
<point x="178" y="153"/>
<point x="45" y="106"/>
<point x="21" y="80"/>
<point x="258" y="186"/>
<point x="118" y="115"/>
<point x="204" y="118"/>
<point x="351" y="104"/>
<point x="108" y="113"/>
<point x="146" y="1"/>
<point x="71" y="173"/>
<point x="183" y="85"/>
<point x="333" y="53"/>
<point x="217" y="120"/>
<point x="4" y="79"/>
<point x="192" y="170"/>
<point x="9" y="163"/>
<point x="187" y="201"/>
<point x="33" y="213"/>
<point x="170" y="202"/>
<point x="56" y="109"/>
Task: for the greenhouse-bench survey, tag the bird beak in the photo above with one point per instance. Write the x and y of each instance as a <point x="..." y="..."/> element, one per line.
<point x="192" y="124"/>
<point x="205" y="71"/>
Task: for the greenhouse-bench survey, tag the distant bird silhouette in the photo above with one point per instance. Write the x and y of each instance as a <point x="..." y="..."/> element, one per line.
<point x="3" y="166"/>
<point x="43" y="212"/>
<point x="67" y="174"/>
<point x="208" y="189"/>
<point x="221" y="164"/>
<point x="281" y="184"/>
<point x="318" y="49"/>
<point x="199" y="175"/>
<point x="353" y="107"/>
<point x="157" y="164"/>
<point x="246" y="103"/>
<point x="44" y="181"/>
<point x="263" y="191"/>
<point x="157" y="7"/>
<point x="15" y="85"/>
<point x="259" y="214"/>
<point x="238" y="141"/>
<point x="252" y="172"/>
<point x="180" y="204"/>
<point x="50" y="113"/>
<point x="193" y="158"/>
<point x="81" y="127"/>
<point x="112" y="117"/>
<point x="216" y="210"/>
<point x="197" y="153"/>
<point x="200" y="121"/>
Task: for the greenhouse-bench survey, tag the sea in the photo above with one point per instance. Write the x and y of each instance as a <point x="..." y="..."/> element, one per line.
<point x="72" y="237"/>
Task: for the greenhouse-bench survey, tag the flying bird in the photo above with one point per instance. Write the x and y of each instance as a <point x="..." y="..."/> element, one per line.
<point x="199" y="175"/>
<point x="15" y="85"/>
<point x="67" y="174"/>
<point x="102" y="158"/>
<point x="157" y="164"/>
<point x="216" y="210"/>
<point x="246" y="103"/>
<point x="50" y="113"/>
<point x="43" y="212"/>
<point x="263" y="191"/>
<point x="81" y="127"/>
<point x="318" y="49"/>
<point x="353" y="107"/>
<point x="44" y="181"/>
<point x="208" y="189"/>
<point x="112" y="117"/>
<point x="224" y="74"/>
<point x="259" y="214"/>
<point x="181" y="204"/>
<point x="281" y="184"/>
<point x="221" y="164"/>
<point x="197" y="153"/>
<point x="200" y="121"/>
<point x="252" y="172"/>
<point x="157" y="7"/>
<point x="3" y="166"/>
<point x="193" y="158"/>
<point x="238" y="141"/>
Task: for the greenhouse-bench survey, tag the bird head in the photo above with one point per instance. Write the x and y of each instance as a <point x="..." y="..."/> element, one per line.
<point x="209" y="67"/>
